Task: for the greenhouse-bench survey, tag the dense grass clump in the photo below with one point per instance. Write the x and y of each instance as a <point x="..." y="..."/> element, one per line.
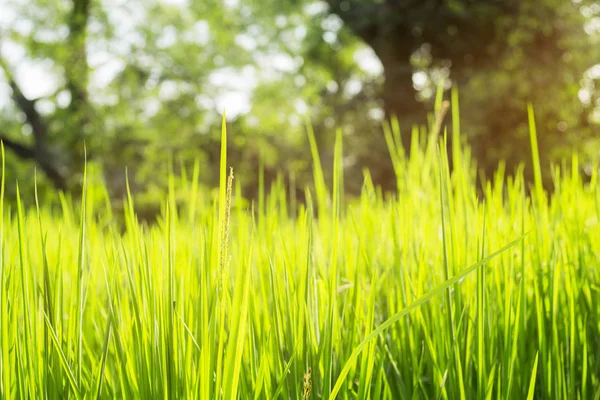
<point x="374" y="298"/>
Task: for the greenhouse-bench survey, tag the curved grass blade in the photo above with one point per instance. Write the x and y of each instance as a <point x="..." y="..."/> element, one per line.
<point x="423" y="299"/>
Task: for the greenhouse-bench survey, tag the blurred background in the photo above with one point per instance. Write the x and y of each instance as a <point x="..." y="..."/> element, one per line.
<point x="137" y="83"/>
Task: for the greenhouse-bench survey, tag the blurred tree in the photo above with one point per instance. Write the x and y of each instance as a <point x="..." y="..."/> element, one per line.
<point x="502" y="54"/>
<point x="135" y="82"/>
<point x="312" y="71"/>
<point x="74" y="64"/>
<point x="142" y="82"/>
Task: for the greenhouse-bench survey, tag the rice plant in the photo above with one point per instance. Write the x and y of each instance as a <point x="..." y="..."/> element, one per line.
<point x="438" y="291"/>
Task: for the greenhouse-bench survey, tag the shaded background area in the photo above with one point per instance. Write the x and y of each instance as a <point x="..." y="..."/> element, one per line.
<point x="137" y="83"/>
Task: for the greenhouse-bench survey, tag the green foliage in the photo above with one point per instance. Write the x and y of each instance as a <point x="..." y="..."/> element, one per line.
<point x="150" y="91"/>
<point x="502" y="55"/>
<point x="374" y="298"/>
<point x="157" y="76"/>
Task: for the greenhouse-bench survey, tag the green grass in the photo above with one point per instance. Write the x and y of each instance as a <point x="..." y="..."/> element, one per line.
<point x="435" y="292"/>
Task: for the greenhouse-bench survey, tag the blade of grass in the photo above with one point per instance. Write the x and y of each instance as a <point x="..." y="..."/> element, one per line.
<point x="531" y="392"/>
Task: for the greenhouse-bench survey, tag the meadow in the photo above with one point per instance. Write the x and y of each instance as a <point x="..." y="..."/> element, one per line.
<point x="440" y="291"/>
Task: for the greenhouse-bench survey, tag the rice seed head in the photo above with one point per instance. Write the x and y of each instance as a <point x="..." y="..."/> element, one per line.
<point x="224" y="260"/>
<point x="307" y="384"/>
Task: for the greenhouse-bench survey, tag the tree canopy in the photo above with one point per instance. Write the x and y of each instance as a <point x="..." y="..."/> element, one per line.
<point x="134" y="84"/>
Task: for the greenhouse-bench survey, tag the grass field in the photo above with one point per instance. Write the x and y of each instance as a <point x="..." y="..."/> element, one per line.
<point x="435" y="293"/>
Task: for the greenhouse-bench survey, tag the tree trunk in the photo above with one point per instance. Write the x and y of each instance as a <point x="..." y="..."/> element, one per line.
<point x="399" y="94"/>
<point x="399" y="98"/>
<point x="383" y="27"/>
<point x="39" y="151"/>
<point x="80" y="111"/>
<point x="41" y="156"/>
